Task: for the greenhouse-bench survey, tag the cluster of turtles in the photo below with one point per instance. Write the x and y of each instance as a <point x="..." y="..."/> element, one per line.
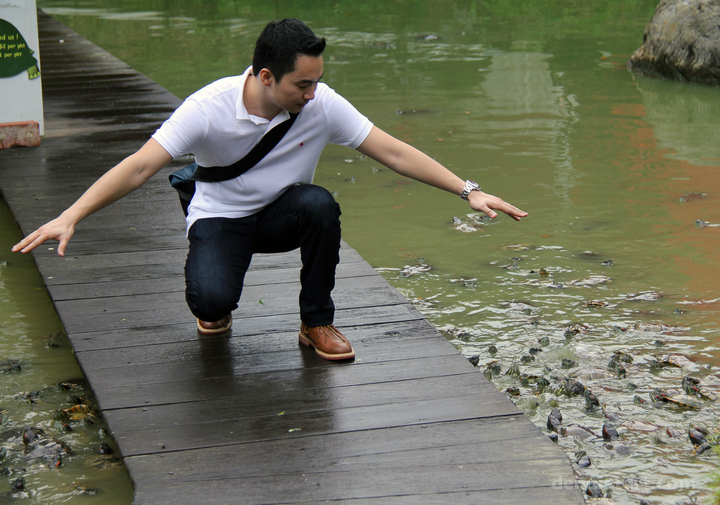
<point x="51" y="442"/>
<point x="613" y="397"/>
<point x="690" y="394"/>
<point x="694" y="391"/>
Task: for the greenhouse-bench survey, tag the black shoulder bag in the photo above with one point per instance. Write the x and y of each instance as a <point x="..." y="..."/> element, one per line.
<point x="184" y="179"/>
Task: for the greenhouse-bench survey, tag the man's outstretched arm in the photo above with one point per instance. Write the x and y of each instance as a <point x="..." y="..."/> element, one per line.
<point x="122" y="179"/>
<point x="408" y="161"/>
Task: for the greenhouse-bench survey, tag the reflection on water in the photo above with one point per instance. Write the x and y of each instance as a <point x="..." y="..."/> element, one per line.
<point x="683" y="119"/>
<point x="532" y="100"/>
<point x="520" y="89"/>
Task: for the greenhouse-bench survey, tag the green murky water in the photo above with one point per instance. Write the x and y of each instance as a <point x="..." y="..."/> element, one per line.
<point x="39" y="378"/>
<point x="532" y="100"/>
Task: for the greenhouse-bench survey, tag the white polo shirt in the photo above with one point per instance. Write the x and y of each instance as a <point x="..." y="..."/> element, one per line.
<point x="214" y="124"/>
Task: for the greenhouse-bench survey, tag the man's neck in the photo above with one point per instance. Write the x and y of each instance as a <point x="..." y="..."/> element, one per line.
<point x="254" y="98"/>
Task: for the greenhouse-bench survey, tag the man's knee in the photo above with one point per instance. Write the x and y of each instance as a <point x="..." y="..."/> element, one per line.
<point x="210" y="289"/>
<point x="210" y="304"/>
<point x="319" y="205"/>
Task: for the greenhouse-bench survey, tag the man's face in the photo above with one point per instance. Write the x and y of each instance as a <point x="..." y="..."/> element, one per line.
<point x="297" y="88"/>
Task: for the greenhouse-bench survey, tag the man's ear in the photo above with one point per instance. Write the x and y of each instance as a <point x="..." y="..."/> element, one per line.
<point x="266" y="77"/>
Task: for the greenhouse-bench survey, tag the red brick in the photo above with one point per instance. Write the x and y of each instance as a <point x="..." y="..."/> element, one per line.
<point x="26" y="133"/>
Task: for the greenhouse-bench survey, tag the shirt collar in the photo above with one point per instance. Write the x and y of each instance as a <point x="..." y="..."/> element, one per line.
<point x="241" y="112"/>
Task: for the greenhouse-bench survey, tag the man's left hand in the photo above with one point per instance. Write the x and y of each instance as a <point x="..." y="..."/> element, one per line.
<point x="489" y="204"/>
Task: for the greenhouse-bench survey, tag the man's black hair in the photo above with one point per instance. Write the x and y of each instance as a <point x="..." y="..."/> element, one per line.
<point x="279" y="45"/>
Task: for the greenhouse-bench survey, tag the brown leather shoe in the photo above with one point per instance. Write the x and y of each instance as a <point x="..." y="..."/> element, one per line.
<point x="214" y="327"/>
<point x="328" y="342"/>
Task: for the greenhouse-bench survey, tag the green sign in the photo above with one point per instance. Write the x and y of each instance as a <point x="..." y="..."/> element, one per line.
<point x="15" y="55"/>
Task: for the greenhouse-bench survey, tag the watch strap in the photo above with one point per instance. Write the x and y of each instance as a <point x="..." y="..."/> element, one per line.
<point x="469" y="187"/>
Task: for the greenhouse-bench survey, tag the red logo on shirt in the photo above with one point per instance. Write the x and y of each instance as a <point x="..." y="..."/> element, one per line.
<point x="302" y="144"/>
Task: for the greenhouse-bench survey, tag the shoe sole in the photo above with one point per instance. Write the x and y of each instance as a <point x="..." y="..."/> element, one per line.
<point x="332" y="357"/>
<point x="213" y="331"/>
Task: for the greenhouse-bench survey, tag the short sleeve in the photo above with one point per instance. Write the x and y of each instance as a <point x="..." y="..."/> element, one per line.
<point x="184" y="130"/>
<point x="347" y="126"/>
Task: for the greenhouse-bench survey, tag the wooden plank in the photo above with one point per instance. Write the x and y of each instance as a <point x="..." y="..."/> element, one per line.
<point x="429" y="448"/>
<point x="550" y="495"/>
<point x="296" y="401"/>
<point x="258" y="299"/>
<point x="225" y="384"/>
<point x="280" y="428"/>
<point x="217" y="360"/>
<point x="315" y="488"/>
<point x="381" y="340"/>
<point x="150" y="256"/>
<point x="137" y="210"/>
<point x="149" y="329"/>
<point x="117" y="338"/>
<point x="470" y="438"/>
<point x="148" y="285"/>
<point x="287" y="321"/>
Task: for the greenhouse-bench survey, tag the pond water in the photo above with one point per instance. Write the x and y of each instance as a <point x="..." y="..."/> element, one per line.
<point x="531" y="99"/>
<point x="39" y="380"/>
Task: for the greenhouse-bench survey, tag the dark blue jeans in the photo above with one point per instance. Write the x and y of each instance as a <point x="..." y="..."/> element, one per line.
<point x="305" y="216"/>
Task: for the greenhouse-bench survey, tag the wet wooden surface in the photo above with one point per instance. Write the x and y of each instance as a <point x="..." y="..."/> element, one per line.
<point x="252" y="417"/>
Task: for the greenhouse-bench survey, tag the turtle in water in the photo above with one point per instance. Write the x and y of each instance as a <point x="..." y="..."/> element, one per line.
<point x="15" y="55"/>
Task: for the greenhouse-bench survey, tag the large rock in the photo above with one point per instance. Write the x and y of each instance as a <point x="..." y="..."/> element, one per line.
<point x="681" y="42"/>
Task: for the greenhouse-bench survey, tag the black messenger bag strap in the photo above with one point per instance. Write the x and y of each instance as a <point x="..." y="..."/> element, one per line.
<point x="252" y="158"/>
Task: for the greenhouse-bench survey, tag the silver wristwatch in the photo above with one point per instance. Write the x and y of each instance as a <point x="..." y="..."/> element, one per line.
<point x="469" y="186"/>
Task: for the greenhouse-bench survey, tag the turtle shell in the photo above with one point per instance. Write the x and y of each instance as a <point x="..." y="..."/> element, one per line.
<point x="686" y="401"/>
<point x="15" y="55"/>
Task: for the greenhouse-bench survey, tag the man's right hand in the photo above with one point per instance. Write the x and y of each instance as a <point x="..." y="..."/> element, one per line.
<point x="58" y="229"/>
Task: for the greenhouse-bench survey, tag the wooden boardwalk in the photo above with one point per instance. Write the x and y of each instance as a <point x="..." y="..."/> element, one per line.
<point x="253" y="417"/>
